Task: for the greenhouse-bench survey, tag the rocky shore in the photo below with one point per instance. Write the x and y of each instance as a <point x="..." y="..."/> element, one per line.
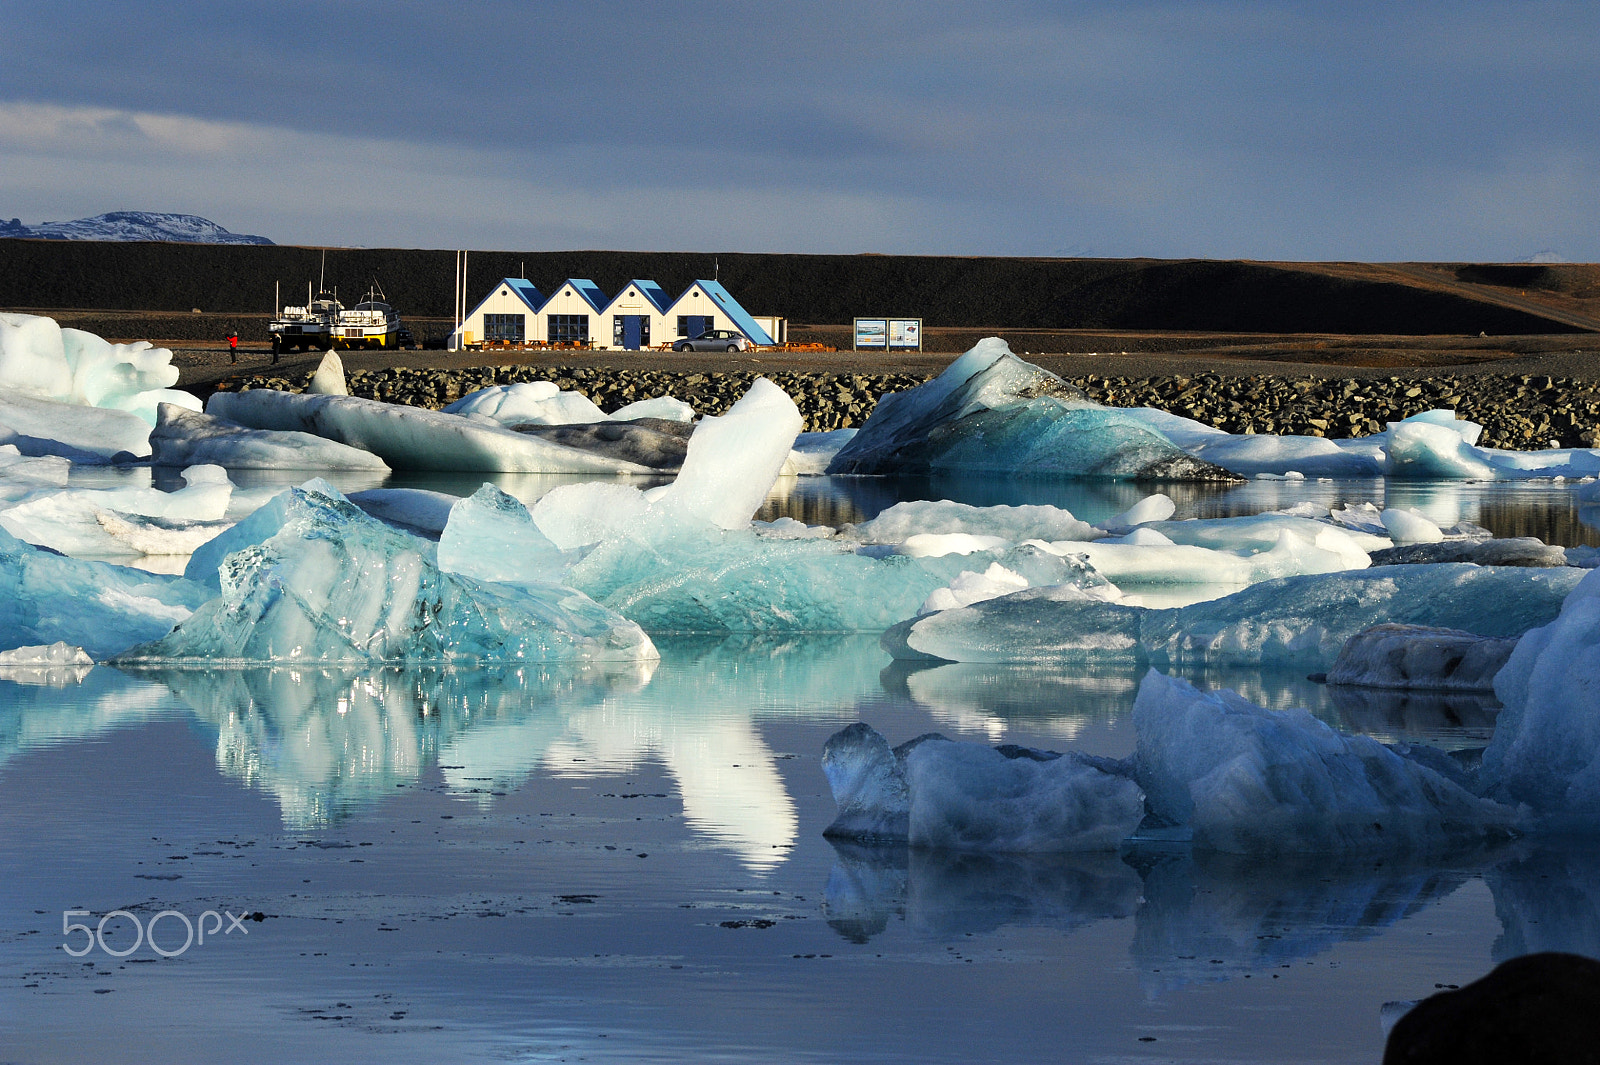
<point x="1524" y="412"/>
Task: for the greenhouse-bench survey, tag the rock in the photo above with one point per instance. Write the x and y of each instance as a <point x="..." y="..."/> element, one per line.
<point x="1542" y="1008"/>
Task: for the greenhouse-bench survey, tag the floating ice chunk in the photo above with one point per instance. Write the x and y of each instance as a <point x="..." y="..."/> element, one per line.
<point x="937" y="794"/>
<point x="183" y="437"/>
<point x="1257" y="455"/>
<point x="1157" y="507"/>
<point x="491" y="536"/>
<point x="1511" y="551"/>
<point x="529" y="403"/>
<point x="1427" y="449"/>
<point x="1148" y="556"/>
<point x="22" y="475"/>
<point x="733" y="460"/>
<point x="934" y="545"/>
<point x="1420" y="657"/>
<point x="792" y="529"/>
<point x="258" y="526"/>
<point x="409" y="438"/>
<point x="731" y="464"/>
<point x="812" y="452"/>
<point x="59" y="653"/>
<point x="649" y="442"/>
<point x="1247" y="780"/>
<point x="46" y="597"/>
<point x="121" y="522"/>
<point x="1260" y="532"/>
<point x="87" y="435"/>
<point x="1302" y="620"/>
<point x="333" y="585"/>
<point x="904" y="520"/>
<point x="971" y="588"/>
<point x="1546" y="747"/>
<point x="664" y="407"/>
<point x="1408" y="527"/>
<point x="991" y="412"/>
<point x="328" y="380"/>
<point x="41" y="360"/>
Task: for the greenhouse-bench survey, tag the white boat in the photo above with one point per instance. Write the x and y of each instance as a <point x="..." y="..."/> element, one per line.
<point x="308" y="326"/>
<point x="371" y="323"/>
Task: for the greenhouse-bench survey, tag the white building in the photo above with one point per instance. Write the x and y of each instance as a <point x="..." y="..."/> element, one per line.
<point x="515" y="314"/>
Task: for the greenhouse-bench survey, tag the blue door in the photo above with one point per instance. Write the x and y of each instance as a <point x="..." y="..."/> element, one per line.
<point x="632" y="330"/>
<point x="699" y="323"/>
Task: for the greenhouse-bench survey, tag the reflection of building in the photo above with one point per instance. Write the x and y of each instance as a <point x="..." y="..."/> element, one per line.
<point x="640" y="316"/>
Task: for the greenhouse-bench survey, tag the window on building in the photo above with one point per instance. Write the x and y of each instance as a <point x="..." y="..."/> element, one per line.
<point x="569" y="328"/>
<point x="510" y="328"/>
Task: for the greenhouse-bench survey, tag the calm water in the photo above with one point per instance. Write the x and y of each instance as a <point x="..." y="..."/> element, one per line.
<point x="581" y="864"/>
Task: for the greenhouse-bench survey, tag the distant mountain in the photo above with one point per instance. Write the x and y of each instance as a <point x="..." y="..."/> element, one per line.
<point x="133" y="225"/>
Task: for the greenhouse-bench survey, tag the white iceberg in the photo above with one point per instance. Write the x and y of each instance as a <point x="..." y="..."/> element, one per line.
<point x="528" y="403"/>
<point x="184" y="437"/>
<point x="40" y="359"/>
<point x="123" y="522"/>
<point x="925" y="516"/>
<point x="333" y="585"/>
<point x="410" y="438"/>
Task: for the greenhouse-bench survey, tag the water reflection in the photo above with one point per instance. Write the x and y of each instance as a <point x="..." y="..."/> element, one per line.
<point x="1198" y="918"/>
<point x="1447" y="719"/>
<point x="327" y="742"/>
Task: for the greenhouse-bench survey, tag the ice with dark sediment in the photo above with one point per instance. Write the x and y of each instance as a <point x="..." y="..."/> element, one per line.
<point x="1421" y="657"/>
<point x="409" y="438"/>
<point x="332" y="585"/>
<point x="1302" y="621"/>
<point x="991" y="412"/>
<point x="184" y="437"/>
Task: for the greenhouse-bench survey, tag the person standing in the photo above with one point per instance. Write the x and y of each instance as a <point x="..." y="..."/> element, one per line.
<point x="233" y="345"/>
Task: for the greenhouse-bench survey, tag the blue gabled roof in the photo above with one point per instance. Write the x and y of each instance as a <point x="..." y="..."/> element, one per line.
<point x="730" y="306"/>
<point x="648" y="289"/>
<point x="524" y="291"/>
<point x="584" y="287"/>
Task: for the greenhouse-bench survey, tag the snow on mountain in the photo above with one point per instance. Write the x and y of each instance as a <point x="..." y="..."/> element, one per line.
<point x="133" y="225"/>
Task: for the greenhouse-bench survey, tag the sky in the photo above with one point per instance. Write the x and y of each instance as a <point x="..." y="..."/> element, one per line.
<point x="1428" y="130"/>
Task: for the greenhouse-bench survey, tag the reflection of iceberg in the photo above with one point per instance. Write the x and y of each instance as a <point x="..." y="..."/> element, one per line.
<point x="1548" y="899"/>
<point x="1214" y="917"/>
<point x="947" y="895"/>
<point x="323" y="741"/>
<point x="54" y="706"/>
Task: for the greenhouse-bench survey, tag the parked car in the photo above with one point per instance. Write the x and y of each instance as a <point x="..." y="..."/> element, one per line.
<point x="714" y="340"/>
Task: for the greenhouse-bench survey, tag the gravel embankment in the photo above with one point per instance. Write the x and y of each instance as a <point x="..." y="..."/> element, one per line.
<point x="1523" y="412"/>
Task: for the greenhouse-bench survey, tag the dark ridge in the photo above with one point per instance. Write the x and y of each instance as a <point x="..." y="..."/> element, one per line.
<point x="944" y="291"/>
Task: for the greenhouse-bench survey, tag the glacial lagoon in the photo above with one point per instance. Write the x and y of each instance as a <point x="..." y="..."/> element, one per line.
<point x="626" y="862"/>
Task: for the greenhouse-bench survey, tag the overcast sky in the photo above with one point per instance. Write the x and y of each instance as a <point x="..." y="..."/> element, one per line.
<point x="1444" y="129"/>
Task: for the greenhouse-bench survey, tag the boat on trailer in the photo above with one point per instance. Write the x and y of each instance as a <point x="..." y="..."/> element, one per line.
<point x="308" y="326"/>
<point x="372" y="323"/>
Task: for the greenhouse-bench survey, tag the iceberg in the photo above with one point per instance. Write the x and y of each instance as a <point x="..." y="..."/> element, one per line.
<point x="991" y="412"/>
<point x="123" y="522"/>
<point x="1238" y="778"/>
<point x="926" y="516"/>
<point x="87" y="435"/>
<point x="932" y="792"/>
<point x="491" y="536"/>
<point x="184" y="437"/>
<point x="651" y="442"/>
<point x="1420" y="657"/>
<point x="1147" y="556"/>
<point x="47" y="598"/>
<point x="528" y="403"/>
<point x="1302" y="621"/>
<point x="40" y="359"/>
<point x="409" y="438"/>
<point x="332" y="585"/>
<point x="1546" y="746"/>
